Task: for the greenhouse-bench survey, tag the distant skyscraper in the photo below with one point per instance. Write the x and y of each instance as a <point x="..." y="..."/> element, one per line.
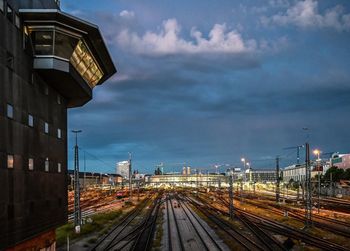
<point x="123" y="169"/>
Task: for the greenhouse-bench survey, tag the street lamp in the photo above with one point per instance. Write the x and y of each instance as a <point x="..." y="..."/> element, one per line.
<point x="317" y="153"/>
<point x="244" y="164"/>
<point x="250" y="173"/>
<point x="77" y="210"/>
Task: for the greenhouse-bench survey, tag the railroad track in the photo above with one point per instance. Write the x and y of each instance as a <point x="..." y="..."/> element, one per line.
<point x="287" y="231"/>
<point x="117" y="233"/>
<point x="144" y="238"/>
<point x="335" y="226"/>
<point x="173" y="245"/>
<point x="207" y="240"/>
<point x="244" y="242"/>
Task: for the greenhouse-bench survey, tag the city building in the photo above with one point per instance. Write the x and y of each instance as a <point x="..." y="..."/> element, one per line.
<point x="193" y="180"/>
<point x="123" y="169"/>
<point x="87" y="179"/>
<point x="340" y="160"/>
<point x="49" y="61"/>
<point x="260" y="175"/>
<point x="298" y="172"/>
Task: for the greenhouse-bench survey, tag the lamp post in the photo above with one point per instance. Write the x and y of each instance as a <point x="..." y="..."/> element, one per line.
<point x="130" y="174"/>
<point x="317" y="153"/>
<point x="244" y="164"/>
<point x="249" y="168"/>
<point x="77" y="212"/>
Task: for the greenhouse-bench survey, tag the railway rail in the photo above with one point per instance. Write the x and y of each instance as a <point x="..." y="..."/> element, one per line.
<point x="243" y="241"/>
<point x="285" y="230"/>
<point x="130" y="232"/>
<point x="207" y="240"/>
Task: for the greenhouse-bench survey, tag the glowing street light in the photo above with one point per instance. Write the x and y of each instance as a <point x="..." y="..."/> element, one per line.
<point x="317" y="153"/>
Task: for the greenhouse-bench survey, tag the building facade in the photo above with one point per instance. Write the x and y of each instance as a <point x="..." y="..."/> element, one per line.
<point x="261" y="175"/>
<point x="340" y="160"/>
<point x="49" y="61"/>
<point x="123" y="169"/>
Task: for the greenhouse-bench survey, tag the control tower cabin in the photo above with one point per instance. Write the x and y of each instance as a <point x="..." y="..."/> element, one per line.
<point x="49" y="61"/>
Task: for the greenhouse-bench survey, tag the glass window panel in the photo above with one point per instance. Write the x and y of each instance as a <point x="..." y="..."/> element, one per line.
<point x="9" y="111"/>
<point x="46" y="128"/>
<point x="59" y="133"/>
<point x="85" y="64"/>
<point x="43" y="42"/>
<point x="47" y="165"/>
<point x="10" y="160"/>
<point x="59" y="167"/>
<point x="30" y="120"/>
<point x="31" y="164"/>
<point x="88" y="75"/>
<point x="64" y="45"/>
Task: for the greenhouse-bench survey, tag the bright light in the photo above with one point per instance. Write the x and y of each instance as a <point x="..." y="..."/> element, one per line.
<point x="242" y="159"/>
<point x="316" y="152"/>
<point x="248" y="164"/>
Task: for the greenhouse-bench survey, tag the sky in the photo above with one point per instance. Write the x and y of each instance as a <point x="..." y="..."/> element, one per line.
<point x="208" y="82"/>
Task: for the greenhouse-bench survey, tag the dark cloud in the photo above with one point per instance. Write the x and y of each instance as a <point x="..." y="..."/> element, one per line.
<point x="214" y="108"/>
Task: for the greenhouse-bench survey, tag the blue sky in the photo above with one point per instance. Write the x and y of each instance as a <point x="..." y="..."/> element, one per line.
<point x="208" y="82"/>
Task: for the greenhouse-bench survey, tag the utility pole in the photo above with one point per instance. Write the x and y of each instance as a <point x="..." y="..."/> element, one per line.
<point x="331" y="184"/>
<point x="130" y="174"/>
<point x="231" y="194"/>
<point x="308" y="190"/>
<point x="138" y="190"/>
<point x="197" y="181"/>
<point x="77" y="212"/>
<point x="84" y="180"/>
<point x="277" y="179"/>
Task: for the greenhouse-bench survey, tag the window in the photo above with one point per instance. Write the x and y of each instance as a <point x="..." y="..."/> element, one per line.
<point x="10" y="160"/>
<point x="64" y="45"/>
<point x="59" y="167"/>
<point x="30" y="120"/>
<point x="59" y="133"/>
<point x="47" y="165"/>
<point x="46" y="127"/>
<point x="31" y="164"/>
<point x="17" y="21"/>
<point x="59" y="101"/>
<point x="43" y="42"/>
<point x="2" y="5"/>
<point x="9" y="111"/>
<point x="85" y="64"/>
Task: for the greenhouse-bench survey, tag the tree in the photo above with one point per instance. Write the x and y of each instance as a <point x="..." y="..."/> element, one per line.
<point x="337" y="174"/>
<point x="346" y="175"/>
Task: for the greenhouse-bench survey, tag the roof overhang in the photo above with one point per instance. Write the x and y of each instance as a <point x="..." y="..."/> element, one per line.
<point x="90" y="32"/>
<point x="91" y="35"/>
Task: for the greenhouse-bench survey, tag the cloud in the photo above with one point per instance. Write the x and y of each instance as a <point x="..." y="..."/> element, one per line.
<point x="127" y="14"/>
<point x="305" y="14"/>
<point x="169" y="42"/>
